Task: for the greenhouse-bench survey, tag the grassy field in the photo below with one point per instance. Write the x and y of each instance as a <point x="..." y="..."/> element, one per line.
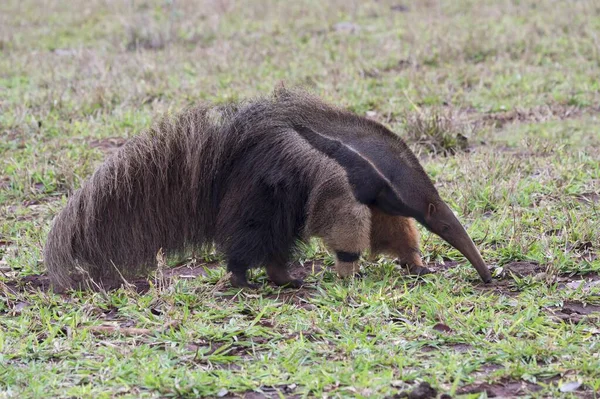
<point x="500" y="99"/>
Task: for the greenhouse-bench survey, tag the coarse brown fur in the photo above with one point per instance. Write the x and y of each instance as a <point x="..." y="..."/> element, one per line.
<point x="252" y="178"/>
<point x="396" y="236"/>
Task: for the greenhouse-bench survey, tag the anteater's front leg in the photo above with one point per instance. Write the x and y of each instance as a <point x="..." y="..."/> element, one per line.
<point x="344" y="225"/>
<point x="397" y="236"/>
<point x="349" y="237"/>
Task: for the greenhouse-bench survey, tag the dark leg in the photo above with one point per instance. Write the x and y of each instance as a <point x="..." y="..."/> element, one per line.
<point x="238" y="277"/>
<point x="279" y="275"/>
<point x="263" y="229"/>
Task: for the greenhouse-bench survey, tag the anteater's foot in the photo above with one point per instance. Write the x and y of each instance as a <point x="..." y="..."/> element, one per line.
<point x="240" y="281"/>
<point x="358" y="275"/>
<point x="280" y="276"/>
<point x="347" y="269"/>
<point x="417" y="270"/>
<point x="293" y="283"/>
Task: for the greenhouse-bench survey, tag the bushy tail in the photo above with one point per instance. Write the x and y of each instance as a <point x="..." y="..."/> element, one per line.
<point x="153" y="193"/>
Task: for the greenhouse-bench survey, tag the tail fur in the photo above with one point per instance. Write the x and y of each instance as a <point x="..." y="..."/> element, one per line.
<point x="147" y="196"/>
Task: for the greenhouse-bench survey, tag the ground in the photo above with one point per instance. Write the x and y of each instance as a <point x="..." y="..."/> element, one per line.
<point x="499" y="99"/>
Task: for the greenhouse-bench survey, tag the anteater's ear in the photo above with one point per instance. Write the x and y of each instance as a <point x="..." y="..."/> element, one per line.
<point x="431" y="210"/>
<point x="280" y="91"/>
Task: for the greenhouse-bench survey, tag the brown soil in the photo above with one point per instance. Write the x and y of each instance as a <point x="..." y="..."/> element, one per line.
<point x="504" y="389"/>
<point x="186" y="270"/>
<point x="440" y="267"/>
<point x="4" y="182"/>
<point x="422" y="391"/>
<point x="29" y="283"/>
<point x="282" y="391"/>
<point x="575" y="312"/>
<point x="108" y="145"/>
<point x="508" y="388"/>
<point x="541" y="113"/>
<point x="500" y="287"/>
<point x="589" y="197"/>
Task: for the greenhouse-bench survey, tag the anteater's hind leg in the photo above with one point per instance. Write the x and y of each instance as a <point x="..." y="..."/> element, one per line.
<point x="276" y="266"/>
<point x="397" y="236"/>
<point x="238" y="267"/>
<point x="260" y="231"/>
<point x="279" y="275"/>
<point x="243" y="251"/>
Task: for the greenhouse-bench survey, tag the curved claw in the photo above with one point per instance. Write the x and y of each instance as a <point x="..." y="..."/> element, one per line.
<point x="417" y="270"/>
<point x="359" y="275"/>
<point x="294" y="283"/>
<point x="242" y="282"/>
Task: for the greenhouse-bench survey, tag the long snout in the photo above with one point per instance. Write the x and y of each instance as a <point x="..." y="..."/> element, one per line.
<point x="458" y="237"/>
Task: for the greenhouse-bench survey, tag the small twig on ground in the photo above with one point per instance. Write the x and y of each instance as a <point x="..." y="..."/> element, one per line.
<point x="222" y="282"/>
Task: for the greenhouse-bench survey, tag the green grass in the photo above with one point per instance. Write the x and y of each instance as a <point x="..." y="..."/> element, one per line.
<point x="518" y="79"/>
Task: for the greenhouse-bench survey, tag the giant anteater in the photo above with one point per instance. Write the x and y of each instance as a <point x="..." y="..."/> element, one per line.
<point x="252" y="178"/>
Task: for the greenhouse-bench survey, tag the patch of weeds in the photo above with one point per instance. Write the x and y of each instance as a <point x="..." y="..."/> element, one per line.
<point x="143" y="33"/>
<point x="437" y="132"/>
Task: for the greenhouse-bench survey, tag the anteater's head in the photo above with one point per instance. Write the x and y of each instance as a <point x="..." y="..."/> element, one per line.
<point x="409" y="192"/>
<point x="384" y="173"/>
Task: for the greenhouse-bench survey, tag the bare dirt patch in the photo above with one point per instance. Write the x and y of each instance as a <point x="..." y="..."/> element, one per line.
<point x="580" y="308"/>
<point x="500" y="287"/>
<point x="280" y="391"/>
<point x="504" y="282"/>
<point x="303" y="270"/>
<point x="536" y="114"/>
<point x="504" y="389"/>
<point x="186" y="270"/>
<point x="589" y="197"/>
<point x="28" y="283"/>
<point x="522" y="269"/>
<point x="422" y="391"/>
<point x="108" y="145"/>
<point x="575" y="312"/>
<point x="509" y="388"/>
<point x="4" y="182"/>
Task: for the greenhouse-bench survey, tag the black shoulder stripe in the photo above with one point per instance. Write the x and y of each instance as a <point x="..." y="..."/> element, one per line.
<point x="366" y="180"/>
<point x="326" y="145"/>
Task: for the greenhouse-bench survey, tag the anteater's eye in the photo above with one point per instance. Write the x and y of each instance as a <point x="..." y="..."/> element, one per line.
<point x="445" y="228"/>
